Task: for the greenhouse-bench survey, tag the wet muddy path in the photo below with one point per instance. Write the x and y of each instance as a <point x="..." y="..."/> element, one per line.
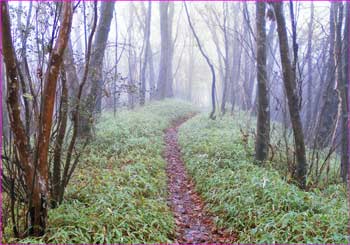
<point x="193" y="224"/>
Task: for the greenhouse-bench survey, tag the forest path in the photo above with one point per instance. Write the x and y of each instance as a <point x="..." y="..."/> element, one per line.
<point x="194" y="225"/>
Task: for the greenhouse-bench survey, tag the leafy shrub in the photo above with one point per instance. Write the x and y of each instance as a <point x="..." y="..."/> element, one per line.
<point x="253" y="201"/>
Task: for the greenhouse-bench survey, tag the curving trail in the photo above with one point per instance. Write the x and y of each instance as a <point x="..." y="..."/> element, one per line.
<point x="194" y="225"/>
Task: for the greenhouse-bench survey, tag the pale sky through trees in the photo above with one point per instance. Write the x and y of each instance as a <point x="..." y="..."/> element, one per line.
<point x="198" y="11"/>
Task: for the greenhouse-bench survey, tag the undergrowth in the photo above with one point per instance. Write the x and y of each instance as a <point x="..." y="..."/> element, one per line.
<point x="279" y="160"/>
<point x="253" y="201"/>
<point x="118" y="194"/>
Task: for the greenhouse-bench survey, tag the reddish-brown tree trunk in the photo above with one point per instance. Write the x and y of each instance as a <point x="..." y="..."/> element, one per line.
<point x="35" y="168"/>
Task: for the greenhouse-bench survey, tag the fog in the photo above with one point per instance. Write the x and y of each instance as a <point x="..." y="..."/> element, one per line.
<point x="207" y="18"/>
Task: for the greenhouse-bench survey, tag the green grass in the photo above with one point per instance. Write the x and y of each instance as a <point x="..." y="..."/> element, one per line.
<point x="245" y="123"/>
<point x="118" y="194"/>
<point x="254" y="201"/>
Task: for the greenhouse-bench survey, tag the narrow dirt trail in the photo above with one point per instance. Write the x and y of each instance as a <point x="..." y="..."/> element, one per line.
<point x="194" y="225"/>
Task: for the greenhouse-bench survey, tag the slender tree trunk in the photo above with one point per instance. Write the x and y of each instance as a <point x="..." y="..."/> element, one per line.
<point x="190" y="70"/>
<point x="271" y="50"/>
<point x="263" y="122"/>
<point x="24" y="35"/>
<point x="100" y="45"/>
<point x="152" y="87"/>
<point x="61" y="128"/>
<point x="346" y="90"/>
<point x="211" y="67"/>
<point x="318" y="94"/>
<point x="164" y="85"/>
<point x="71" y="71"/>
<point x="116" y="78"/>
<point x="164" y="50"/>
<point x="76" y="112"/>
<point x="234" y="70"/>
<point x="132" y="89"/>
<point x="147" y="53"/>
<point x="250" y="69"/>
<point x="329" y="109"/>
<point x="309" y="67"/>
<point x="292" y="96"/>
<point x="227" y="68"/>
<point x="220" y="56"/>
<point x="342" y="79"/>
<point x="170" y="79"/>
<point x="235" y="83"/>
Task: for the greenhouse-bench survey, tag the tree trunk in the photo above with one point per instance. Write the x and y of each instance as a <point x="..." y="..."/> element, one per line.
<point x="147" y="53"/>
<point x="132" y="89"/>
<point x="61" y="128"/>
<point x="35" y="168"/>
<point x="190" y="70"/>
<point x="94" y="100"/>
<point x="250" y="67"/>
<point x="227" y="74"/>
<point x="71" y="71"/>
<point x="309" y="67"/>
<point x="236" y="74"/>
<point x="48" y="101"/>
<point x="271" y="50"/>
<point x="263" y="121"/>
<point x="76" y="113"/>
<point x="211" y="67"/>
<point x="342" y="75"/>
<point x="151" y="74"/>
<point x="170" y="79"/>
<point x="235" y="60"/>
<point x="164" y="84"/>
<point x="329" y="109"/>
<point x="23" y="63"/>
<point x="116" y="94"/>
<point x="292" y="96"/>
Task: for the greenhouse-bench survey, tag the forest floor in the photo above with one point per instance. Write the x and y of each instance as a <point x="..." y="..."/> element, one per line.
<point x="154" y="175"/>
<point x="193" y="223"/>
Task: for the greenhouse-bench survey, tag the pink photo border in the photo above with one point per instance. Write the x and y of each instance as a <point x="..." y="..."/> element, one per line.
<point x="1" y="92"/>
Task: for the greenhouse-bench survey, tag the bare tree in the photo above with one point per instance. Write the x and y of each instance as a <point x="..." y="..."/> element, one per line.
<point x="132" y="87"/>
<point x="228" y="67"/>
<point x="94" y="100"/>
<point x="151" y="75"/>
<point x="116" y="93"/>
<point x="165" y="77"/>
<point x="35" y="165"/>
<point x="263" y="122"/>
<point x="292" y="95"/>
<point x="147" y="34"/>
<point x="342" y="75"/>
<point x="62" y="173"/>
<point x="190" y="69"/>
<point x="309" y="64"/>
<point x="211" y="67"/>
<point x="329" y="110"/>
